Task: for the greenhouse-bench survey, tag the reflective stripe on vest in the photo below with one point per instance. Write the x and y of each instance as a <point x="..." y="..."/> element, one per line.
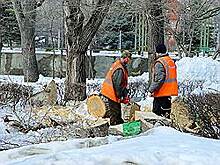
<point x="169" y="86"/>
<point x="107" y="86"/>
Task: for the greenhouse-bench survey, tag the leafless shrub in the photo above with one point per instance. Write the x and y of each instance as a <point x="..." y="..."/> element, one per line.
<point x="12" y="93"/>
<point x="205" y="112"/>
<point x="187" y="86"/>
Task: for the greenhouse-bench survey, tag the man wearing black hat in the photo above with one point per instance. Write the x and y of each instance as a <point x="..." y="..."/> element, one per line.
<point x="164" y="82"/>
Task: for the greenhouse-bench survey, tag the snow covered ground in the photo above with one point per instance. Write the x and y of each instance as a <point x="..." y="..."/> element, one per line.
<point x="161" y="145"/>
<point x="158" y="146"/>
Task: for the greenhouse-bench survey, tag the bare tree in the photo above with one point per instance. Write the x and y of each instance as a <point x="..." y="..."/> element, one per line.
<point x="191" y="15"/>
<point x="79" y="35"/>
<point x="26" y="16"/>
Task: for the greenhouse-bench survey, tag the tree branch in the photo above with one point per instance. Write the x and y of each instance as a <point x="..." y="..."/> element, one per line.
<point x="18" y="9"/>
<point x="40" y="3"/>
<point x="91" y="27"/>
<point x="210" y="13"/>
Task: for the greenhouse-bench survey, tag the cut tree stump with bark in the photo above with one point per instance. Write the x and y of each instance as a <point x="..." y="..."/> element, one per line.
<point x="96" y="106"/>
<point x="181" y="117"/>
<point x="99" y="128"/>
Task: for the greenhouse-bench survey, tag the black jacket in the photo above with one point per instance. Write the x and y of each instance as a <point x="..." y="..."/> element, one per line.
<point x="117" y="79"/>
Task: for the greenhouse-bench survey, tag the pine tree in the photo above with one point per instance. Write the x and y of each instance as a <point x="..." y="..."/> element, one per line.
<point x="9" y="30"/>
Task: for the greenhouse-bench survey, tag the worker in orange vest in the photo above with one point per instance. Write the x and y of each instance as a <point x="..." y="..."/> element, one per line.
<point x="114" y="88"/>
<point x="164" y="82"/>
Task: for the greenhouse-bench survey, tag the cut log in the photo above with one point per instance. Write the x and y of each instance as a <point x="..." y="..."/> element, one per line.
<point x="150" y="120"/>
<point x="98" y="129"/>
<point x="129" y="111"/>
<point x="180" y="114"/>
<point x="96" y="106"/>
<point x="51" y="90"/>
<point x="46" y="97"/>
<point x="147" y="115"/>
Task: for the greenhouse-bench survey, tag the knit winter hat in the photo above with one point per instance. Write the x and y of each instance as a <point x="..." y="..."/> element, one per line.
<point x="126" y="53"/>
<point x="161" y="48"/>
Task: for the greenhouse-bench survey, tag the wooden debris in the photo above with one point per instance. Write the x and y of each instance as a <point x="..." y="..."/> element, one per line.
<point x="98" y="129"/>
<point x="51" y="90"/>
<point x="46" y="97"/>
<point x="116" y="129"/>
<point x="150" y="120"/>
<point x="129" y="111"/>
<point x="96" y="106"/>
<point x="147" y="115"/>
<point x="51" y="116"/>
<point x="147" y="109"/>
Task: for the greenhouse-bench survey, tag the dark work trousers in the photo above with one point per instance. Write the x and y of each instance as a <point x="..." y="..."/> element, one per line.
<point x="113" y="111"/>
<point x="162" y="106"/>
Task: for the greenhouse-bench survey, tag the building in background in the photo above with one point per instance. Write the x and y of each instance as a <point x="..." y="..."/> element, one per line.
<point x="171" y="26"/>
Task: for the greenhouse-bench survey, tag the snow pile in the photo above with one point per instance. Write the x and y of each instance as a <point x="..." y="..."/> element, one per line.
<point x="161" y="145"/>
<point x="142" y="78"/>
<point x="203" y="70"/>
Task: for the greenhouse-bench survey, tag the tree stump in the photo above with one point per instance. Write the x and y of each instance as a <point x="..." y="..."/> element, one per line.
<point x="96" y="106"/>
<point x="98" y="128"/>
<point x="180" y="116"/>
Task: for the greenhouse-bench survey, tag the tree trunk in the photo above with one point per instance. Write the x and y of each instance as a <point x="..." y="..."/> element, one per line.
<point x="76" y="76"/>
<point x="79" y="37"/>
<point x="1" y="46"/>
<point x="30" y="67"/>
<point x="25" y="11"/>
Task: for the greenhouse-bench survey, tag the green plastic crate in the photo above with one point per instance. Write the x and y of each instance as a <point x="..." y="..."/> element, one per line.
<point x="131" y="128"/>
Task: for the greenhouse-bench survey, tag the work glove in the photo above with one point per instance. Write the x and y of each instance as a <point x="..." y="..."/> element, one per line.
<point x="125" y="100"/>
<point x="149" y="94"/>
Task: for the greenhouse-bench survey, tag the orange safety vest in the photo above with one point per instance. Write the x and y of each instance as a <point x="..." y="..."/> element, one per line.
<point x="169" y="86"/>
<point x="107" y="88"/>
